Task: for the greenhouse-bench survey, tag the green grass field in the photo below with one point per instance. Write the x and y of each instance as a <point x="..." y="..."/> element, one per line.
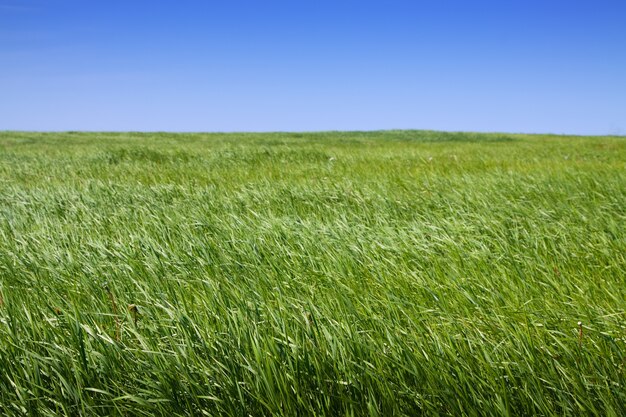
<point x="363" y="273"/>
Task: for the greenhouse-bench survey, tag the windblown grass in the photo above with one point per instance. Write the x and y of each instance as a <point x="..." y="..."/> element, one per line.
<point x="363" y="273"/>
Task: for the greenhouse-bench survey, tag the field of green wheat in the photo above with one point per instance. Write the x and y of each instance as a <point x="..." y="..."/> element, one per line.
<point x="328" y="274"/>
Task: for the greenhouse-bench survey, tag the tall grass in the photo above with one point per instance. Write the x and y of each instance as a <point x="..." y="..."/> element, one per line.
<point x="363" y="273"/>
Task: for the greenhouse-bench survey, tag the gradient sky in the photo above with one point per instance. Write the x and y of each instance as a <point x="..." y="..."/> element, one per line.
<point x="552" y="66"/>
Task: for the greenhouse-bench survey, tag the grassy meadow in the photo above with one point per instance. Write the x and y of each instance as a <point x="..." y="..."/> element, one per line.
<point x="329" y="274"/>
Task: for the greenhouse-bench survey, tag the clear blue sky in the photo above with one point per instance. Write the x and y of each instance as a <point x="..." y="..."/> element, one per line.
<point x="554" y="66"/>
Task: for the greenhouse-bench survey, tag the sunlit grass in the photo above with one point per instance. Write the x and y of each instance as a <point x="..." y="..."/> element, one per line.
<point x="365" y="273"/>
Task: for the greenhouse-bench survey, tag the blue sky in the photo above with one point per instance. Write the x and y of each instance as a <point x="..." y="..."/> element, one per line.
<point x="553" y="66"/>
